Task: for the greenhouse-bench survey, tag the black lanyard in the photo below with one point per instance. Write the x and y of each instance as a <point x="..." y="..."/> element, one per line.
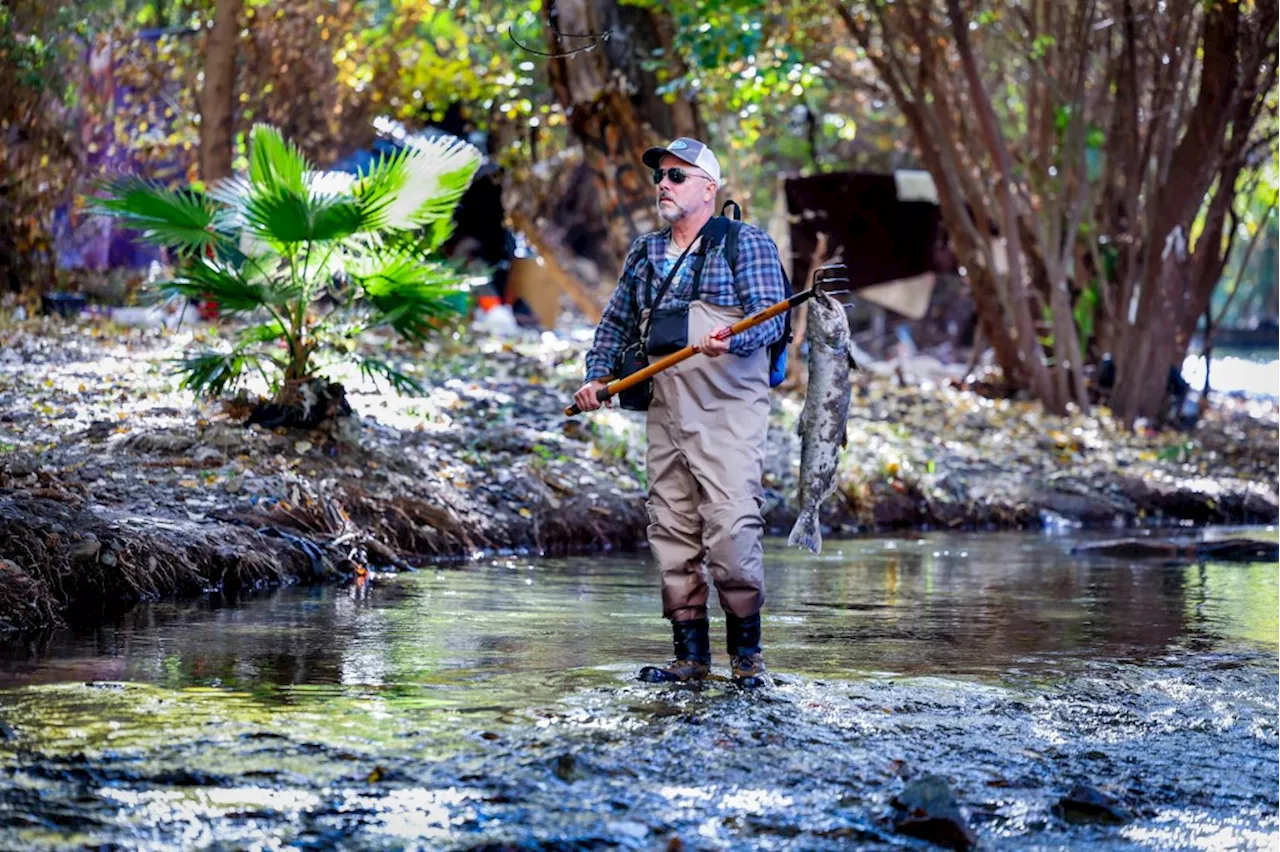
<point x="662" y="291"/>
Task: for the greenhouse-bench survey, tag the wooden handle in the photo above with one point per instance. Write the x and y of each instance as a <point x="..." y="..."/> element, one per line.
<point x="616" y="387"/>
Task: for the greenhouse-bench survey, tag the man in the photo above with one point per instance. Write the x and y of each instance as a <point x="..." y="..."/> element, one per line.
<point x="708" y="419"/>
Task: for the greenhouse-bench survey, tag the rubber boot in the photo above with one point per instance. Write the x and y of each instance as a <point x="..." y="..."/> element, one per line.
<point x="692" y="643"/>
<point x="746" y="661"/>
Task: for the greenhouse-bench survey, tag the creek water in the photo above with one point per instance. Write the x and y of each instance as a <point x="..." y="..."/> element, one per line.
<point x="494" y="706"/>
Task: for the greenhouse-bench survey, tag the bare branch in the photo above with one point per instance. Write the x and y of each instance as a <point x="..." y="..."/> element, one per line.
<point x="1212" y="325"/>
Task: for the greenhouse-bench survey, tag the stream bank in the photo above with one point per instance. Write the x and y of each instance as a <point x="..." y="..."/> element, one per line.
<point x="116" y="486"/>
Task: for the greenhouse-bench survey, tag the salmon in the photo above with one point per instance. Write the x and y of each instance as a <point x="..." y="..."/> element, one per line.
<point x="825" y="415"/>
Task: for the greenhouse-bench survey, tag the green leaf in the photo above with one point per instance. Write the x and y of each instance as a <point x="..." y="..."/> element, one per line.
<point x="377" y="188"/>
<point x="212" y="373"/>
<point x="1062" y="117"/>
<point x="408" y="294"/>
<point x="287" y="217"/>
<point x="217" y="280"/>
<point x="266" y="332"/>
<point x="375" y="368"/>
<point x="1086" y="307"/>
<point x="1177" y="452"/>
<point x="1040" y="46"/>
<point x="275" y="164"/>
<point x="437" y="173"/>
<point x="181" y="219"/>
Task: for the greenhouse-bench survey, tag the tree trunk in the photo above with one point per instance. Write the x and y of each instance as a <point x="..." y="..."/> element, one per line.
<point x="1028" y="352"/>
<point x="653" y="31"/>
<point x="217" y="99"/>
<point x="1180" y="124"/>
<point x="610" y="108"/>
<point x="1155" y="339"/>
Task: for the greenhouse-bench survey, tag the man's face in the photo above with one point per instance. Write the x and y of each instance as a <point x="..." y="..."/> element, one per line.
<point x="677" y="200"/>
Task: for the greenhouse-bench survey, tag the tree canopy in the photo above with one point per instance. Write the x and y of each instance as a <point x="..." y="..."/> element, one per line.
<point x="1098" y="162"/>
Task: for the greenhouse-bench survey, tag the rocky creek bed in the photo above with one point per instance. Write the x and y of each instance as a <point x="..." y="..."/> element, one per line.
<point x="116" y="486"/>
<point x="930" y="688"/>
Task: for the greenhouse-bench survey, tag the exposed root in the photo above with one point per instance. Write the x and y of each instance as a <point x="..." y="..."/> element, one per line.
<point x="53" y="556"/>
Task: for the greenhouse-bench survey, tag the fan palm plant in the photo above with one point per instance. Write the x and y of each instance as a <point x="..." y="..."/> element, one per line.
<point x="312" y="260"/>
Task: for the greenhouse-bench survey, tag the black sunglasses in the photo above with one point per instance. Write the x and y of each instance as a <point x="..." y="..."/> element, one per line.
<point x="677" y="175"/>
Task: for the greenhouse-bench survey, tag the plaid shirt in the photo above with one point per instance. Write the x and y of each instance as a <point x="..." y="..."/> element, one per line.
<point x="760" y="280"/>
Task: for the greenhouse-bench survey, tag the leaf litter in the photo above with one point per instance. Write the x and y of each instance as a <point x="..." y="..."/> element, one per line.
<point x="99" y="443"/>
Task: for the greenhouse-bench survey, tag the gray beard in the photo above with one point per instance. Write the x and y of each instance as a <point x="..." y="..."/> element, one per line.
<point x="671" y="216"/>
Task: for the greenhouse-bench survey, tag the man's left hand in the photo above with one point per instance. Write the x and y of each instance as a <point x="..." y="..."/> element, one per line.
<point x="714" y="344"/>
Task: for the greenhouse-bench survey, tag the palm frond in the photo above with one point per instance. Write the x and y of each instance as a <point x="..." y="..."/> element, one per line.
<point x="212" y="373"/>
<point x="287" y="217"/>
<point x="335" y="218"/>
<point x="181" y="219"/>
<point x="451" y="187"/>
<point x="374" y="368"/>
<point x="217" y="280"/>
<point x="265" y="332"/>
<point x="274" y="163"/>
<point x="436" y="174"/>
<point x="408" y="294"/>
<point x="376" y="189"/>
<point x="424" y="242"/>
<point x="231" y="193"/>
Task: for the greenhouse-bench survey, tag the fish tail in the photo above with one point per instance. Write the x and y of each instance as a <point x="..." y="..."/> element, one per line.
<point x="806" y="532"/>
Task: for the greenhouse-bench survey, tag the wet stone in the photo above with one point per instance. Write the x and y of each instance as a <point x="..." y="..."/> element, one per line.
<point x="22" y="464"/>
<point x="1086" y="804"/>
<point x="207" y="455"/>
<point x="85" y="551"/>
<point x="568" y="768"/>
<point x="546" y="742"/>
<point x="927" y="809"/>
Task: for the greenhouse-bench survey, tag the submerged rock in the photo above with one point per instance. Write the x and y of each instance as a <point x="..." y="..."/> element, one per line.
<point x="1085" y="804"/>
<point x="568" y="769"/>
<point x="1225" y="550"/>
<point x="22" y="464"/>
<point x="927" y="809"/>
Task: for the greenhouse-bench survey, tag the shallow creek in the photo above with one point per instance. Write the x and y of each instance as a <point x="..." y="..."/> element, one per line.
<point x="494" y="706"/>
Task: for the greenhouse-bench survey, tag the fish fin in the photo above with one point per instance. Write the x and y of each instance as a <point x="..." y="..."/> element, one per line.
<point x="806" y="533"/>
<point x="844" y="438"/>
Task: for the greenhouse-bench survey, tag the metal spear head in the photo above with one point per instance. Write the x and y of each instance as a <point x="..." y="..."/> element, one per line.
<point x="830" y="274"/>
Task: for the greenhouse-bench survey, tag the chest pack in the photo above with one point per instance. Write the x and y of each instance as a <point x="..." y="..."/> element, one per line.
<point x="719" y="229"/>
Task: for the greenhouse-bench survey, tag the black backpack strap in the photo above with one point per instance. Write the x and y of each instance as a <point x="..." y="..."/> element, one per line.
<point x="731" y="255"/>
<point x="731" y="243"/>
<point x="737" y="211"/>
<point x="712" y="234"/>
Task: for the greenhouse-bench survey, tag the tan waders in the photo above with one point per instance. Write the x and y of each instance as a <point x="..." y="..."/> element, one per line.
<point x="706" y="432"/>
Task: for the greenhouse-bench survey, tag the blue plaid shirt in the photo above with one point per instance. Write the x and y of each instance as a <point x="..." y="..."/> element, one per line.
<point x="760" y="281"/>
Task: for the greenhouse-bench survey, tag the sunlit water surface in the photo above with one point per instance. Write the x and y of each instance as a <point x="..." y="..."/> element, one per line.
<point x="495" y="705"/>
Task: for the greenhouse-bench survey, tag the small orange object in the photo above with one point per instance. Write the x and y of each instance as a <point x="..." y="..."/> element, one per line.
<point x="488" y="303"/>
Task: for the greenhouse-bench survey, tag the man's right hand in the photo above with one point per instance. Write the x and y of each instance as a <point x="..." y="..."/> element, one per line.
<point x="586" y="399"/>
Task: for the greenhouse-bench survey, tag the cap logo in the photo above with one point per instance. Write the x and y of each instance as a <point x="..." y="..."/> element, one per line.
<point x="678" y="145"/>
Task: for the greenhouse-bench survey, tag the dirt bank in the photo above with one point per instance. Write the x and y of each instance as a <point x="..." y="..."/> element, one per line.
<point x="115" y="486"/>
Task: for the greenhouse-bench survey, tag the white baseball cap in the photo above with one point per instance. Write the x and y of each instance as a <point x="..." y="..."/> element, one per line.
<point x="691" y="151"/>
